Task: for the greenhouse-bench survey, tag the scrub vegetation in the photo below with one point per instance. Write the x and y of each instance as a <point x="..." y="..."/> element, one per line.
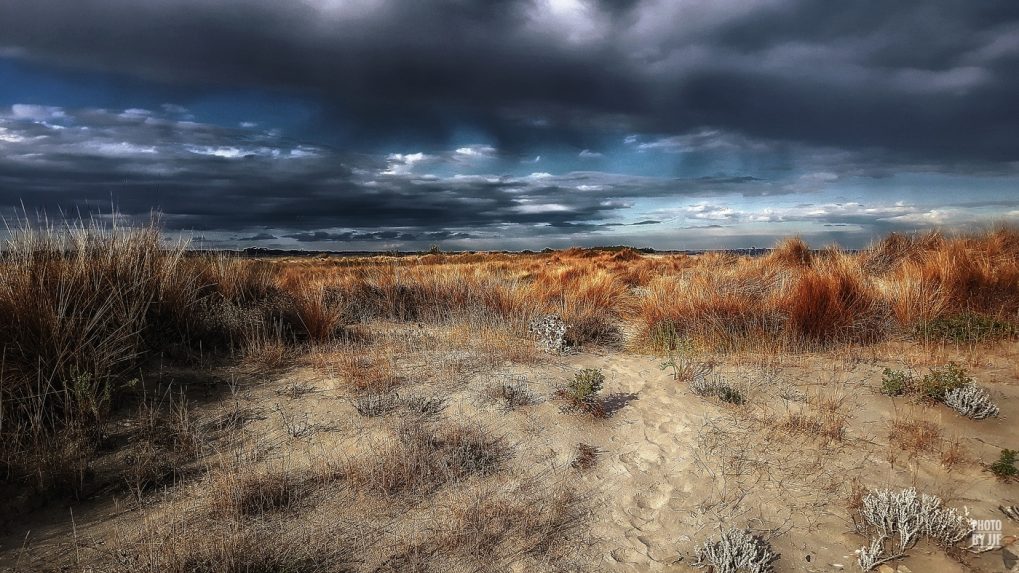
<point x="312" y="413"/>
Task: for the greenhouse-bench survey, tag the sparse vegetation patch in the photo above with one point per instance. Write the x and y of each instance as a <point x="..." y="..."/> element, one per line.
<point x="737" y="551"/>
<point x="967" y="327"/>
<point x="421" y="458"/>
<point x="717" y="387"/>
<point x="550" y="330"/>
<point x="897" y="520"/>
<point x="1004" y="467"/>
<point x="583" y="392"/>
<point x="948" y="384"/>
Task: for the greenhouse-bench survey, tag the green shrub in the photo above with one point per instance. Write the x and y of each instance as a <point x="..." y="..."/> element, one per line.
<point x="667" y="336"/>
<point x="719" y="388"/>
<point x="681" y="361"/>
<point x="965" y="327"/>
<point x="1005" y="468"/>
<point x="586" y="385"/>
<point x="896" y="382"/>
<point x="948" y="384"/>
<point x="942" y="380"/>
<point x="731" y="395"/>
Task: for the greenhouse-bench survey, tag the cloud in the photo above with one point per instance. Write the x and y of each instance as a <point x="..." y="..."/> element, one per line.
<point x="259" y="237"/>
<point x="231" y="180"/>
<point x="475" y="151"/>
<point x="529" y="208"/>
<point x="390" y="236"/>
<point x="588" y="154"/>
<point x="36" y="112"/>
<point x="261" y="185"/>
<point x="867" y="220"/>
<point x="710" y="212"/>
<point x="914" y="79"/>
<point x="402" y="164"/>
<point x="8" y="136"/>
<point x="704" y="140"/>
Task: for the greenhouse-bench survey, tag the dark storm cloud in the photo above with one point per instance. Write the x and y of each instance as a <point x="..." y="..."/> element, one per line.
<point x="925" y="81"/>
<point x="352" y="236"/>
<point x="259" y="237"/>
<point x="244" y="180"/>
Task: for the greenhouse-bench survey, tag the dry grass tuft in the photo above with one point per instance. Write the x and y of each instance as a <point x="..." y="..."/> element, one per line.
<point x="83" y="305"/>
<point x="239" y="494"/>
<point x="832" y="303"/>
<point x="953" y="453"/>
<point x="790" y="252"/>
<point x="916" y="435"/>
<point x="536" y="522"/>
<point x="590" y="300"/>
<point x="421" y="459"/>
<point x="371" y="369"/>
<point x="823" y="416"/>
<point x="511" y="395"/>
<point x="269" y="346"/>
<point x="230" y="546"/>
<point x="318" y="317"/>
<point x="724" y="309"/>
<point x="586" y="458"/>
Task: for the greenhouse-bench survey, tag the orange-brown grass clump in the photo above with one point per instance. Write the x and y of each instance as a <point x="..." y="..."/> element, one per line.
<point x="792" y="252"/>
<point x="791" y="297"/>
<point x="953" y="288"/>
<point x="721" y="306"/>
<point x="939" y="276"/>
<point x="319" y="316"/>
<point x="588" y="299"/>
<point x="832" y="302"/>
<point x="431" y="291"/>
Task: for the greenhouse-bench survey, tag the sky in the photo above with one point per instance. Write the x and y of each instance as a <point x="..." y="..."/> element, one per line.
<point x="512" y="124"/>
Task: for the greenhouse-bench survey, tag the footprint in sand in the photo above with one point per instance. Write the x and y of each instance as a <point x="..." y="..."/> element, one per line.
<point x="655" y="498"/>
<point x="643" y="510"/>
<point x="671" y="427"/>
<point x="657" y="551"/>
<point x="627" y="555"/>
<point x="641" y="460"/>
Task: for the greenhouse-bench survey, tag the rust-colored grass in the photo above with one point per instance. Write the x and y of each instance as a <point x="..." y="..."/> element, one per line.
<point x="832" y="302"/>
<point x="85" y="306"/>
<point x="917" y="435"/>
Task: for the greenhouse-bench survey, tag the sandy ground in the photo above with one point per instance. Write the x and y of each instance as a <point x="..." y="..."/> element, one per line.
<point x="672" y="467"/>
<point x="677" y="466"/>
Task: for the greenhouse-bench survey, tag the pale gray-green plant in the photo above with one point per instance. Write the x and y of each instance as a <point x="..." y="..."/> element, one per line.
<point x="897" y="520"/>
<point x="971" y="401"/>
<point x="737" y="551"/>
